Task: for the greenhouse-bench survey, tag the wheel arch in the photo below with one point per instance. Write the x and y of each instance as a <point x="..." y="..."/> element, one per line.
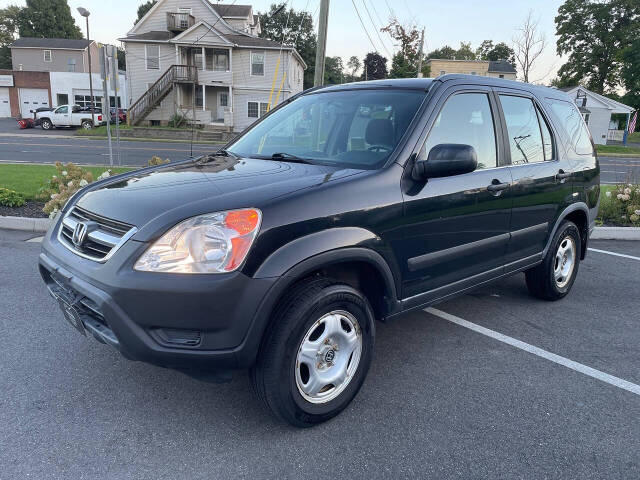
<point x="577" y="213"/>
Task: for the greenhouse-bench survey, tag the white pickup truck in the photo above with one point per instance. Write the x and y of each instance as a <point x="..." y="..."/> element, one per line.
<point x="68" y="116"/>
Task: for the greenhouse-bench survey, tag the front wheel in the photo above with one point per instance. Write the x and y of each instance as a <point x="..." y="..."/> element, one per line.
<point x="554" y="277"/>
<point x="316" y="354"/>
<point x="46" y="124"/>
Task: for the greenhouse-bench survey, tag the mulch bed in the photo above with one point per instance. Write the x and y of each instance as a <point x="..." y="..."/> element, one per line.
<point x="29" y="209"/>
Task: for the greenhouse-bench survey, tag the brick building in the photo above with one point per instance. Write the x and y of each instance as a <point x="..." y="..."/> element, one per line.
<point x="21" y="91"/>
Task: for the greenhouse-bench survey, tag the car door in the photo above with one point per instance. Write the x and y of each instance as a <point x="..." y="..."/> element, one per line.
<point x="456" y="229"/>
<point x="541" y="174"/>
<point x="61" y="116"/>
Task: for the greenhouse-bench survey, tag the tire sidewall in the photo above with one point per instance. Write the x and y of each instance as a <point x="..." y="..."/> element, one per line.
<point x="337" y="297"/>
<point x="567" y="228"/>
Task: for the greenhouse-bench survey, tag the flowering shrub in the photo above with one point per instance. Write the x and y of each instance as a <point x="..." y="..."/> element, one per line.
<point x="621" y="206"/>
<point x="61" y="187"/>
<point x="155" y="161"/>
<point x="10" y="198"/>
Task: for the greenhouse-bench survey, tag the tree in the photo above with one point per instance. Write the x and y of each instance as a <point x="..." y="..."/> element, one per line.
<point x="595" y="34"/>
<point x="465" y="52"/>
<point x="446" y="52"/>
<point x="404" y="63"/>
<point x="529" y="44"/>
<point x="122" y="59"/>
<point x="354" y="64"/>
<point x="333" y="70"/>
<point x="144" y="8"/>
<point x="296" y="29"/>
<point x="47" y="19"/>
<point x="375" y="67"/>
<point x="8" y="30"/>
<point x="630" y="70"/>
<point x="490" y="52"/>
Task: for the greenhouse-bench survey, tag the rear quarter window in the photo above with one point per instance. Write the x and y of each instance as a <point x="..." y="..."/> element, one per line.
<point x="570" y="121"/>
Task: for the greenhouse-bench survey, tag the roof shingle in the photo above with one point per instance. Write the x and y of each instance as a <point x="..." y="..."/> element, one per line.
<point x="231" y="10"/>
<point x="64" y="43"/>
<point x="501" y="66"/>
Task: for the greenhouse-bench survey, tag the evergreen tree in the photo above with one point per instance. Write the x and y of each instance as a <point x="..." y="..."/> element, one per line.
<point x="144" y="8"/>
<point x="375" y="67"/>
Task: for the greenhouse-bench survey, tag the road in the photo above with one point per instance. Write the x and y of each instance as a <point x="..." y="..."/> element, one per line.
<point x="619" y="169"/>
<point x="441" y="401"/>
<point x="92" y="152"/>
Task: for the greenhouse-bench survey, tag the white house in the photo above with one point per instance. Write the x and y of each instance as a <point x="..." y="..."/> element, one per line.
<point x="596" y="110"/>
<point x="205" y="61"/>
<point x="73" y="88"/>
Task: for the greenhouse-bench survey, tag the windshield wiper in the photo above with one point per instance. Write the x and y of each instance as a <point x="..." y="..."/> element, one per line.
<point x="288" y="157"/>
<point x="225" y="153"/>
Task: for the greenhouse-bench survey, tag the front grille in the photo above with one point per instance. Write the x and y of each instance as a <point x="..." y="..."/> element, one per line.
<point x="104" y="236"/>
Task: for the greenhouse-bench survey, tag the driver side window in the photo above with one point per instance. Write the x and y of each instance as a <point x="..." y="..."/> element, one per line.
<point x="466" y="119"/>
<point x="63" y="110"/>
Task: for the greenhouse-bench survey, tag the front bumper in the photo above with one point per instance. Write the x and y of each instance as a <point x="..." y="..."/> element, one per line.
<point x="139" y="313"/>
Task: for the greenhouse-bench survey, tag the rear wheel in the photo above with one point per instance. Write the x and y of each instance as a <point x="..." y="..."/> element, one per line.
<point x="554" y="277"/>
<point x="315" y="357"/>
<point x="46" y="124"/>
<point x="87" y="125"/>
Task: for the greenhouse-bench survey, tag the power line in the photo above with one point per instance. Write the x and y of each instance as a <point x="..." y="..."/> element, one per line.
<point x="364" y="28"/>
<point x="376" y="29"/>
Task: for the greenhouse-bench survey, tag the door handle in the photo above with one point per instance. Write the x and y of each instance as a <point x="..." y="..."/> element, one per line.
<point x="561" y="175"/>
<point x="496" y="187"/>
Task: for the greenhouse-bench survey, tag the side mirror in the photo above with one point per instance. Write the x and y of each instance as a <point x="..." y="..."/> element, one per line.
<point x="446" y="160"/>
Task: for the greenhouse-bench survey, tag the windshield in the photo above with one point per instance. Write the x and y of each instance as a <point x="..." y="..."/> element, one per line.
<point x="352" y="128"/>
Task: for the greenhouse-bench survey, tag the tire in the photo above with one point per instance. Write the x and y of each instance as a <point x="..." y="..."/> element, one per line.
<point x="554" y="277"/>
<point x="46" y="124"/>
<point x="86" y="125"/>
<point x="319" y="315"/>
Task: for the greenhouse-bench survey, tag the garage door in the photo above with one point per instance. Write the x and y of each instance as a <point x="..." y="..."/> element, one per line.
<point x="32" y="98"/>
<point x="5" y="107"/>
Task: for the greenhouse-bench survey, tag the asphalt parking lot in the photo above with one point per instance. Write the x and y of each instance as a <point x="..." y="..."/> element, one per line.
<point x="441" y="401"/>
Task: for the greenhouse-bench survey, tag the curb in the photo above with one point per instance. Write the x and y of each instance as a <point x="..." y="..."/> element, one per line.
<point x="26" y="224"/>
<point x="29" y="224"/>
<point x="615" y="233"/>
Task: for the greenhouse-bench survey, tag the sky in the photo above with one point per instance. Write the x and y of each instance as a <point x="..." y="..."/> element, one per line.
<point x="445" y="23"/>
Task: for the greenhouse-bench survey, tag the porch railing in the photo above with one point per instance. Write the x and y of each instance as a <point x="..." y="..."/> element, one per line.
<point x="179" y="21"/>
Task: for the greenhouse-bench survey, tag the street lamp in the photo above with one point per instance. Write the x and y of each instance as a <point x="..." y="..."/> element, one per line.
<point x="85" y="13"/>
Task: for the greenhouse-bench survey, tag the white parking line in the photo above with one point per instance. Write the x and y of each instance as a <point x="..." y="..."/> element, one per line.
<point x="36" y="240"/>
<point x="614" y="253"/>
<point x="552" y="357"/>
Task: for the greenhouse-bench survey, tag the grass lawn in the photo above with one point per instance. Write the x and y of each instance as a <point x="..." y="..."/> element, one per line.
<point x="27" y="179"/>
<point x="604" y="149"/>
<point x="634" y="137"/>
<point x="100" y="131"/>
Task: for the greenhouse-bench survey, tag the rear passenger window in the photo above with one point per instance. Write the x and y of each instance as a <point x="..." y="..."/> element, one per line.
<point x="465" y="119"/>
<point x="569" y="117"/>
<point x="547" y="138"/>
<point x="523" y="128"/>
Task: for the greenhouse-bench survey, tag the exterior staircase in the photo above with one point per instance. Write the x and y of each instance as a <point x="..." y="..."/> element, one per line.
<point x="159" y="90"/>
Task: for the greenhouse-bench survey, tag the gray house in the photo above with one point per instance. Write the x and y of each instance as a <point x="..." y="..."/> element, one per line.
<point x="205" y="61"/>
<point x="53" y="55"/>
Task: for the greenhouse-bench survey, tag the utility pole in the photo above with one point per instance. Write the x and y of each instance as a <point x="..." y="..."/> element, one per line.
<point x="419" y="75"/>
<point x="85" y="13"/>
<point x="106" y="113"/>
<point x="318" y="78"/>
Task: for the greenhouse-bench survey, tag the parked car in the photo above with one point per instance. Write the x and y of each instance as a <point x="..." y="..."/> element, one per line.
<point x="344" y="205"/>
<point x="122" y="115"/>
<point x="68" y="116"/>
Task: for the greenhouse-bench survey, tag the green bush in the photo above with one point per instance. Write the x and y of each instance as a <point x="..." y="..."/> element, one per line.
<point x="178" y="121"/>
<point x="10" y="198"/>
<point x="621" y="206"/>
<point x="155" y="161"/>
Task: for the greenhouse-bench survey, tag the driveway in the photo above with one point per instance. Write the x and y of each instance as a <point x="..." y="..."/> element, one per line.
<point x="494" y="384"/>
<point x="10" y="126"/>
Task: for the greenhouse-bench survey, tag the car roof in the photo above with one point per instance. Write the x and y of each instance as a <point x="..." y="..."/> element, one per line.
<point x="426" y="83"/>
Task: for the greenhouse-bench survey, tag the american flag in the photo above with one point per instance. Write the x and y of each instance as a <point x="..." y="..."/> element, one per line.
<point x="632" y="125"/>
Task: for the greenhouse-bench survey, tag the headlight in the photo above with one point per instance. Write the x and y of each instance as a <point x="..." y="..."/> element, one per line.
<point x="212" y="243"/>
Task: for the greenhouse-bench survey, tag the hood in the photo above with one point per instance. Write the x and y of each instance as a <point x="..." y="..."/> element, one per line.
<point x="202" y="186"/>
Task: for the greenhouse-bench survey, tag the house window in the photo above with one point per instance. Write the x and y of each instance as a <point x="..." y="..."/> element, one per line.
<point x="199" y="96"/>
<point x="71" y="65"/>
<point x="256" y="109"/>
<point x="500" y="76"/>
<point x="47" y="55"/>
<point x="257" y="63"/>
<point x="197" y="58"/>
<point x="221" y="60"/>
<point x="183" y="17"/>
<point x="442" y="72"/>
<point x="224" y="99"/>
<point x="153" y="57"/>
<point x="112" y="102"/>
<point x="85" y="101"/>
<point x="62" y="99"/>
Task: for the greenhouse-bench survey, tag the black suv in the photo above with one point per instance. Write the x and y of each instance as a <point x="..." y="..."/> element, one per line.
<point x="343" y="205"/>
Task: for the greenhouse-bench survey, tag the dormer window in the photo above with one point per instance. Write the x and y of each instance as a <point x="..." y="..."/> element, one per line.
<point x="47" y="55"/>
